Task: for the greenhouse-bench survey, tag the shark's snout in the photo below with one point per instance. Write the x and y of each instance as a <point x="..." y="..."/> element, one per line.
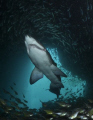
<point x="29" y="40"/>
<point x="26" y="37"/>
<point x="26" y="43"/>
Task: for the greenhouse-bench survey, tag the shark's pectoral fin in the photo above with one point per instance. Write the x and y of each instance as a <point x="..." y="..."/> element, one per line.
<point x="35" y="75"/>
<point x="57" y="71"/>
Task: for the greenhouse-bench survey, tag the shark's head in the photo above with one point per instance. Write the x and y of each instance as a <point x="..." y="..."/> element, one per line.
<point x="28" y="41"/>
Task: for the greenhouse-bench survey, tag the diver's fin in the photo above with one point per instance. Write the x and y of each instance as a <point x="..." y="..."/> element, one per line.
<point x="35" y="75"/>
<point x="57" y="71"/>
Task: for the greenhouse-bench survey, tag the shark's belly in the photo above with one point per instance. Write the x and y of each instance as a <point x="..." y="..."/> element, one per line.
<point x="39" y="57"/>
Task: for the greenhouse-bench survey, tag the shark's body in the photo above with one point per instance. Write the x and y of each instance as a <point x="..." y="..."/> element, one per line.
<point x="44" y="64"/>
<point x="55" y="90"/>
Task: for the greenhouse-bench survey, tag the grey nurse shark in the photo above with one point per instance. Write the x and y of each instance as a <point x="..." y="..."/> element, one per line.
<point x="44" y="64"/>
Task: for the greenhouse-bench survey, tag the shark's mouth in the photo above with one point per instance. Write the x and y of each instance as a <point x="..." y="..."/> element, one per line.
<point x="37" y="47"/>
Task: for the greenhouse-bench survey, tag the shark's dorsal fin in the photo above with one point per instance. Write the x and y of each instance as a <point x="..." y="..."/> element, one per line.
<point x="57" y="71"/>
<point x="35" y="75"/>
